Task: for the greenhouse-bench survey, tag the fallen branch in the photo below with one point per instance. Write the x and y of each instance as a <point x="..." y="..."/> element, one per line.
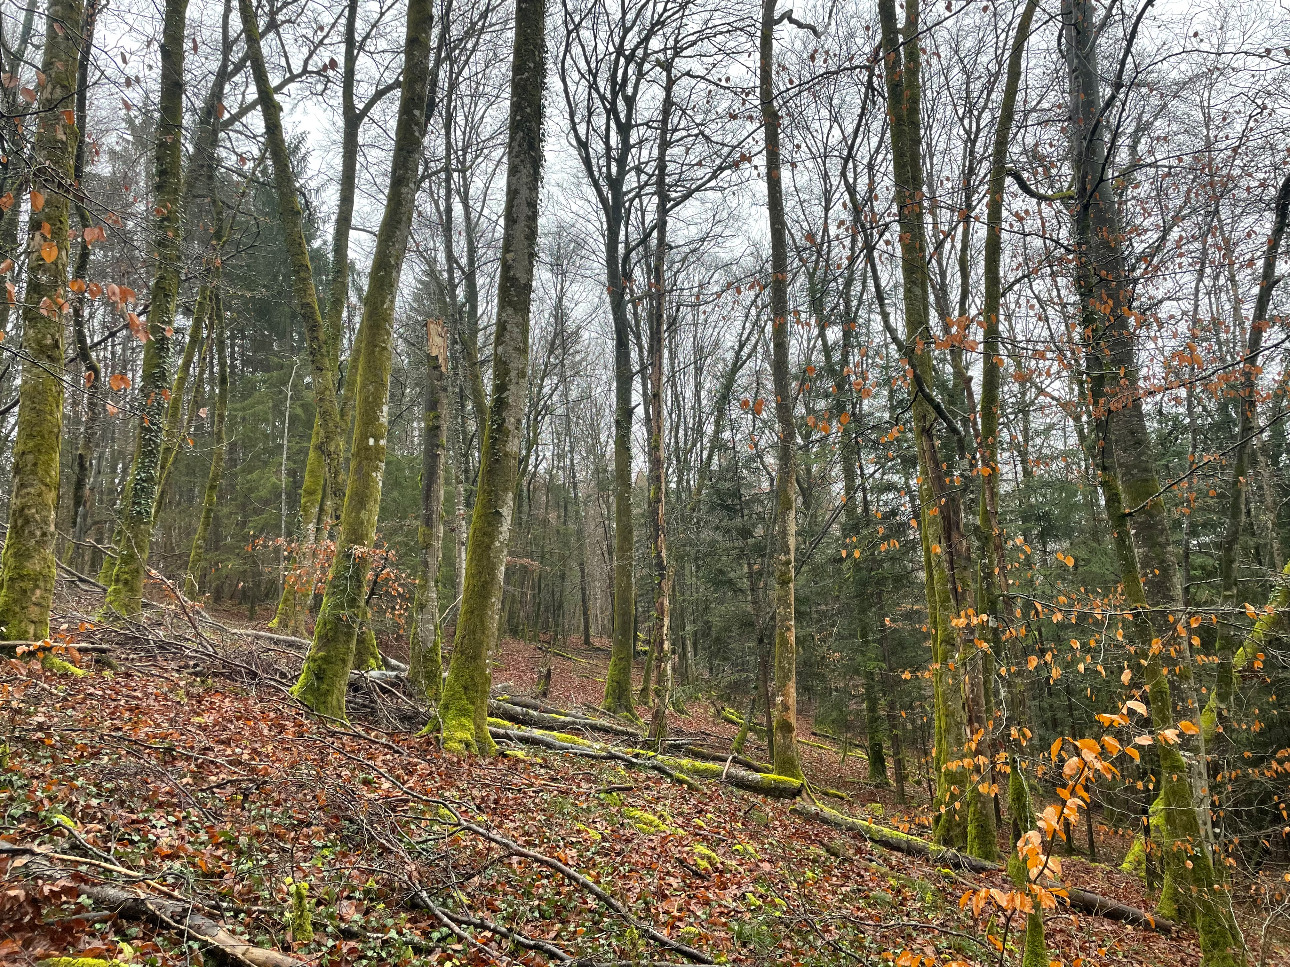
<point x="891" y="839"/>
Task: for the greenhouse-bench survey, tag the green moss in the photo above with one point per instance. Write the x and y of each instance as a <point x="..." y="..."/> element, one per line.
<point x="647" y="822"/>
<point x="300" y="915"/>
<point x="705" y="859"/>
<point x="61" y="666"/>
<point x="367" y="657"/>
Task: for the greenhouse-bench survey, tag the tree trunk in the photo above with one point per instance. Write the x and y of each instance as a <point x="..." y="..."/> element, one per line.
<point x="321" y="355"/>
<point x="618" y="680"/>
<point x="325" y="674"/>
<point x="95" y="401"/>
<point x="1225" y="683"/>
<point x="126" y="592"/>
<point x="219" y="445"/>
<point x="661" y="644"/>
<point x="786" y="760"/>
<point x="27" y="566"/>
<point x="464" y="710"/>
<point x="425" y="661"/>
<point x="297" y="590"/>
<point x="1131" y="489"/>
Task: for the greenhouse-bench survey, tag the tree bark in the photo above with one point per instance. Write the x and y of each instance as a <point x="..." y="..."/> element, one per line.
<point x="425" y="661"/>
<point x="661" y="643"/>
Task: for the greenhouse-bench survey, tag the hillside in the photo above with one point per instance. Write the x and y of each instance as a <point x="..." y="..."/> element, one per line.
<point x="177" y="779"/>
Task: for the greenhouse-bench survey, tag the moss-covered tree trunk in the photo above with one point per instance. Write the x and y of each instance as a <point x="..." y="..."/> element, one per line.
<point x="786" y="761"/>
<point x="27" y="565"/>
<point x="1131" y="492"/>
<point x="219" y="445"/>
<point x="994" y="564"/>
<point x="125" y="594"/>
<point x="464" y="710"/>
<point x="321" y="355"/>
<point x="618" y="680"/>
<point x="946" y="557"/>
<point x="425" y="661"/>
<point x="326" y="670"/>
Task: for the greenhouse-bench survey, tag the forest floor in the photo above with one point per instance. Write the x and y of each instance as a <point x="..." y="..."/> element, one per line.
<point x="187" y="777"/>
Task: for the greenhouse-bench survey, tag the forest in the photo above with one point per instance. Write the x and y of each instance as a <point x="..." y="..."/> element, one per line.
<point x="651" y="482"/>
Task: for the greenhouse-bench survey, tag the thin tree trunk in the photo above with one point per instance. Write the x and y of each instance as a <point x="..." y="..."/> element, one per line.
<point x="95" y="402"/>
<point x="219" y="445"/>
<point x="425" y="650"/>
<point x="661" y="645"/>
<point x="786" y="760"/>
<point x="126" y="592"/>
<point x="297" y="590"/>
<point x="1225" y="684"/>
<point x="464" y="710"/>
<point x="321" y="356"/>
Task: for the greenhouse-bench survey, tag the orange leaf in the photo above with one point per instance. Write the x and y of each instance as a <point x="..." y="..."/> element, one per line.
<point x="37" y="200"/>
<point x="49" y="251"/>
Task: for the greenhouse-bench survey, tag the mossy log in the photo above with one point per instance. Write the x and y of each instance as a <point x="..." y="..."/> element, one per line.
<point x="773" y="786"/>
<point x="509" y="708"/>
<point x="1082" y="900"/>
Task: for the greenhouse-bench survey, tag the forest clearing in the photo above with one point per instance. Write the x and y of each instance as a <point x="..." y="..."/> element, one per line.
<point x="609" y="482"/>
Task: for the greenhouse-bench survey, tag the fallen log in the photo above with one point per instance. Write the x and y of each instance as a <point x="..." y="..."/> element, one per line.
<point x="503" y="708"/>
<point x="167" y="914"/>
<point x="773" y="786"/>
<point x="1083" y="900"/>
<point x="542" y="715"/>
<point x="547" y="741"/>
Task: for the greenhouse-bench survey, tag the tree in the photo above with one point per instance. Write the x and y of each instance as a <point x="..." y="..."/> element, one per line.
<point x="27" y="565"/>
<point x="325" y="674"/>
<point x="425" y="664"/>
<point x="464" y="710"/>
<point x="785" y="707"/>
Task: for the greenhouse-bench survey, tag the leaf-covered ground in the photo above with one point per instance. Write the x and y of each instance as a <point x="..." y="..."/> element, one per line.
<point x="181" y="776"/>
